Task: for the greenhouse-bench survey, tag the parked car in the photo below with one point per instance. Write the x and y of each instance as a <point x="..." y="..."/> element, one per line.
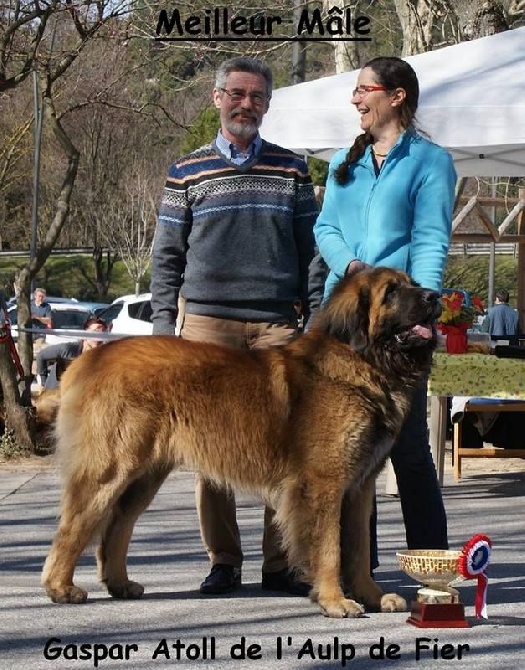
<point x="94" y="307"/>
<point x="129" y="315"/>
<point x="64" y="316"/>
<point x="67" y="317"/>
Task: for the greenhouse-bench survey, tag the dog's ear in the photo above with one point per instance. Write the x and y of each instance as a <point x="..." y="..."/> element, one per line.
<point x="347" y="318"/>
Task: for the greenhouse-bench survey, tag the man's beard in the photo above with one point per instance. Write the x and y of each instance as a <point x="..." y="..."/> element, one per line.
<point x="246" y="129"/>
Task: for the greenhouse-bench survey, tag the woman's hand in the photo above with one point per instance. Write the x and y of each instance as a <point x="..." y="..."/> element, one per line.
<point x="355" y="266"/>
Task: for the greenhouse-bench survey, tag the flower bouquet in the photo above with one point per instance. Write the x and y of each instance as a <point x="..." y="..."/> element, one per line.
<point x="456" y="318"/>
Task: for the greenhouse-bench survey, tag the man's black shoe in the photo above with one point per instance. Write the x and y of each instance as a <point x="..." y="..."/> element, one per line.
<point x="222" y="579"/>
<point x="285" y="581"/>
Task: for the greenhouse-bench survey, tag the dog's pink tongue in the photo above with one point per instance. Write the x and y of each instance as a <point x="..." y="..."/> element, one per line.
<point x="423" y="331"/>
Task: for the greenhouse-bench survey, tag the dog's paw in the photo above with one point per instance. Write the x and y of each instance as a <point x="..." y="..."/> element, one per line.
<point x="339" y="608"/>
<point x="391" y="602"/>
<point x="128" y="591"/>
<point x="68" y="595"/>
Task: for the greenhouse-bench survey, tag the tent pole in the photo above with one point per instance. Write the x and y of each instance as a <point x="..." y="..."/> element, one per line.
<point x="521" y="267"/>
<point x="492" y="256"/>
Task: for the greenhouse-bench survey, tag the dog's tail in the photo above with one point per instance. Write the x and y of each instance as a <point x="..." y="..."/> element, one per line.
<point x="46" y="407"/>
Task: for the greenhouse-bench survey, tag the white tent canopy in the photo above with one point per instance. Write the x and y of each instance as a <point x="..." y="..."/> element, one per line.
<point x="472" y="102"/>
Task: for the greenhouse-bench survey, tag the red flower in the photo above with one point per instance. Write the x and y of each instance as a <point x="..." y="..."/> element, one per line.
<point x="456" y="313"/>
<point x="477" y="303"/>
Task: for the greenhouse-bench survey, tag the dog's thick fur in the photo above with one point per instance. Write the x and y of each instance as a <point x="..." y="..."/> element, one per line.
<point x="46" y="406"/>
<point x="301" y="424"/>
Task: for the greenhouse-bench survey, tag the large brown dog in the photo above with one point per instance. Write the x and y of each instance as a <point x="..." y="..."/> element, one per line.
<point x="301" y="424"/>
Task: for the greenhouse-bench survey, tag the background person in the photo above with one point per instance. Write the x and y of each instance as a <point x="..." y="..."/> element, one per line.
<point x="388" y="202"/>
<point x="41" y="317"/>
<point x="236" y="221"/>
<point x="501" y="320"/>
<point x="53" y="359"/>
<point x="41" y="309"/>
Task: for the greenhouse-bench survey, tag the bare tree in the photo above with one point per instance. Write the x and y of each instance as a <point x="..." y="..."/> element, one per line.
<point x="429" y="24"/>
<point x="28" y="31"/>
<point x="423" y="24"/>
<point x="129" y="225"/>
<point x="14" y="150"/>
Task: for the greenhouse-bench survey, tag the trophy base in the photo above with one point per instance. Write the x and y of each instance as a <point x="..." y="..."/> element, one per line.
<point x="444" y="615"/>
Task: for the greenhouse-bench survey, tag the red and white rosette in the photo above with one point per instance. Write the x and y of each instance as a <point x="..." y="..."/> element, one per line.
<point x="472" y="562"/>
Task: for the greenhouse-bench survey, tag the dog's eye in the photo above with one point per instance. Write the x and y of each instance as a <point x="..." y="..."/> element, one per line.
<point x="389" y="292"/>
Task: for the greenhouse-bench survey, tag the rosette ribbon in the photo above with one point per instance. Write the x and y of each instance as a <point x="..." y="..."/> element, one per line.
<point x="472" y="562"/>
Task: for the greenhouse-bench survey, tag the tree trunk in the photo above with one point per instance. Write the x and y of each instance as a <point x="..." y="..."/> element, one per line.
<point x="346" y="54"/>
<point x="103" y="269"/>
<point x="489" y="19"/>
<point x="18" y="418"/>
<point x="23" y="309"/>
<point x="416" y="21"/>
<point x="298" y="49"/>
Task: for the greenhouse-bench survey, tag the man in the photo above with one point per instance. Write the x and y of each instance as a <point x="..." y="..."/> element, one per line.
<point x="41" y="316"/>
<point x="501" y="320"/>
<point x="40" y="308"/>
<point x="234" y="238"/>
<point x="52" y="361"/>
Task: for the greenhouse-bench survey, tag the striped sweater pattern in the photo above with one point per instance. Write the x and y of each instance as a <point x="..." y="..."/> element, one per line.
<point x="238" y="239"/>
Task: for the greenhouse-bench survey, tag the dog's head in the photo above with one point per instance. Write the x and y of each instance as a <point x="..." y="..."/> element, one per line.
<point x="380" y="310"/>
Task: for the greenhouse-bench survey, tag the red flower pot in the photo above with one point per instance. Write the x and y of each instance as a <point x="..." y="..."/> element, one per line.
<point x="457" y="340"/>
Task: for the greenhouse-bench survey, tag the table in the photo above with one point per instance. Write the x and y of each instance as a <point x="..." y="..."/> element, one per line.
<point x="479" y="375"/>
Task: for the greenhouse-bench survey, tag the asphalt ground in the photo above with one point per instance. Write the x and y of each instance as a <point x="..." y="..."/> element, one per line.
<point x="174" y="626"/>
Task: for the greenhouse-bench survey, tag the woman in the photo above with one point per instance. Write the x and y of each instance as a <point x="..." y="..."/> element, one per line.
<point x="388" y="202"/>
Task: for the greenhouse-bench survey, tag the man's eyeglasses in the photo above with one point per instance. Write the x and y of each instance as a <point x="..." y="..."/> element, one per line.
<point x="363" y="90"/>
<point x="237" y="95"/>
